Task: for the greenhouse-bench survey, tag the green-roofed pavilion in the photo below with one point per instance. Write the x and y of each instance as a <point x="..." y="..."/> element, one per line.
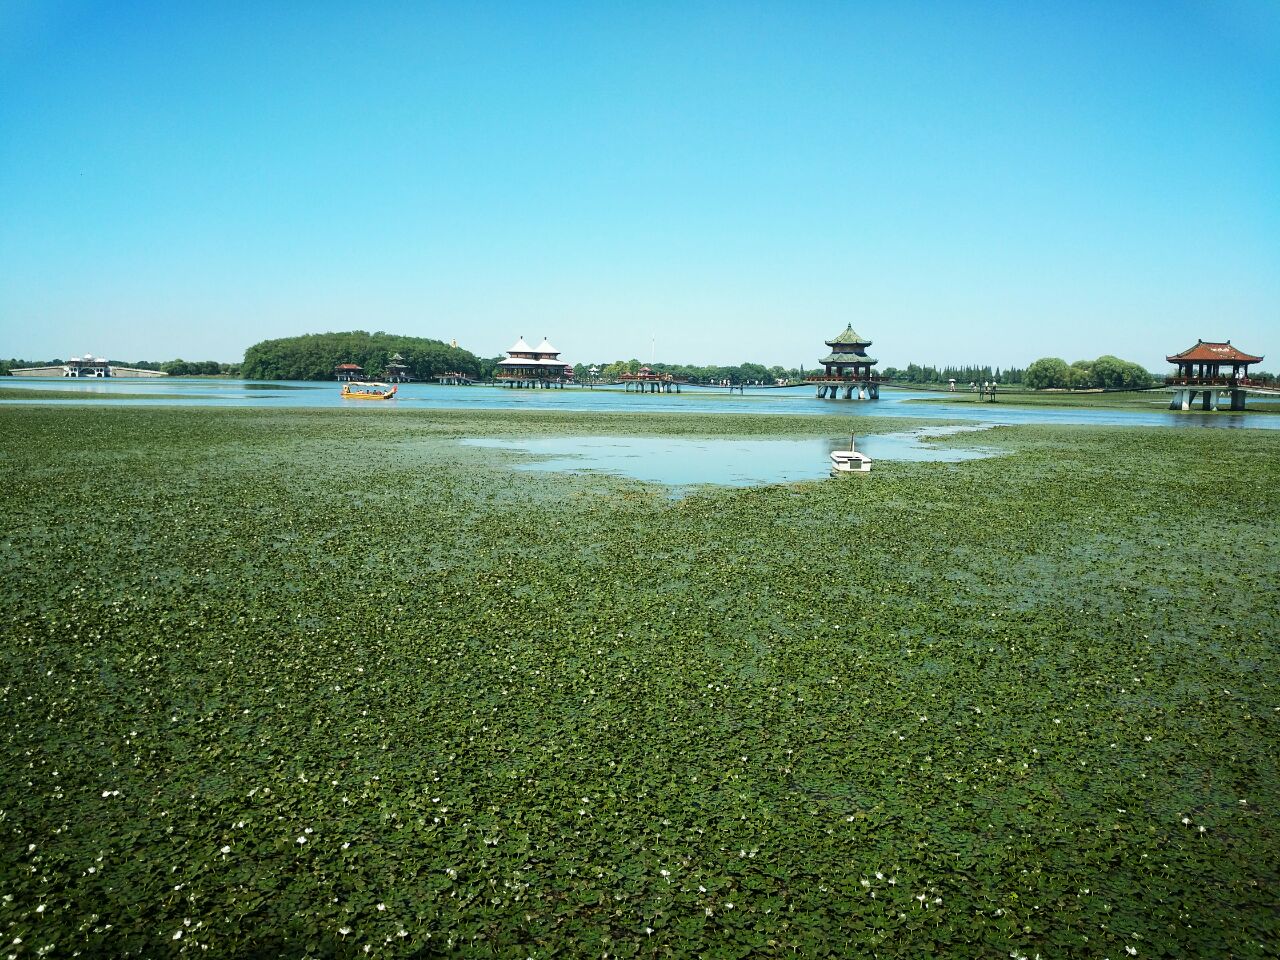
<point x="847" y="368"/>
<point x="849" y="338"/>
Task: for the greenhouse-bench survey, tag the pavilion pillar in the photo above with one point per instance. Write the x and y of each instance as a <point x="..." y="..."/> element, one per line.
<point x="1207" y="401"/>
<point x="1237" y="399"/>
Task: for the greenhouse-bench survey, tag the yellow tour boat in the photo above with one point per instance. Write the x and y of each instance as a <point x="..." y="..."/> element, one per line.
<point x="369" y="391"/>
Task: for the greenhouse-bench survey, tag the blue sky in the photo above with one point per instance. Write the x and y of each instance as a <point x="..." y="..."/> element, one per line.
<point x="964" y="182"/>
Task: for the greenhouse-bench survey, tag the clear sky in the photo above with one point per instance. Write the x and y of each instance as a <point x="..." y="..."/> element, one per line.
<point x="963" y="182"/>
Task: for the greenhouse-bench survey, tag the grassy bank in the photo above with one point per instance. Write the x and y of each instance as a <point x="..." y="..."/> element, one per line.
<point x="311" y="682"/>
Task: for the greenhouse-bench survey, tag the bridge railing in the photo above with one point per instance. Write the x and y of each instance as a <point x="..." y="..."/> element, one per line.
<point x="1213" y="382"/>
<point x="847" y="378"/>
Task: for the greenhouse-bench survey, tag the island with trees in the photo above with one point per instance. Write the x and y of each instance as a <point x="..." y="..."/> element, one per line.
<point x="314" y="356"/>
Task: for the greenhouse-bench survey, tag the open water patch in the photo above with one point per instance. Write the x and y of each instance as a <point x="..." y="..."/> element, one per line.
<point x="681" y="461"/>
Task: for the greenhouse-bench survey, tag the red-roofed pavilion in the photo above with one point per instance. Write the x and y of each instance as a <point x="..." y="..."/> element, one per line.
<point x="1200" y="371"/>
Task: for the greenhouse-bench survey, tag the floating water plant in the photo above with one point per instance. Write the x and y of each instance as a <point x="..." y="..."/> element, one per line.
<point x="330" y="683"/>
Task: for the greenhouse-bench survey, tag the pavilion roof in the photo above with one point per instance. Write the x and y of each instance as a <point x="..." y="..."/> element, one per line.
<point x="546" y="347"/>
<point x="348" y="366"/>
<point x="847" y="338"/>
<point x="847" y="357"/>
<point x="521" y="347"/>
<point x="532" y="362"/>
<point x="1212" y="351"/>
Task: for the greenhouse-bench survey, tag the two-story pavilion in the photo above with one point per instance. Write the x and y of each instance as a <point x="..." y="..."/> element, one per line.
<point x="847" y="369"/>
<point x="1200" y="371"/>
<point x="539" y="366"/>
<point x="397" y="370"/>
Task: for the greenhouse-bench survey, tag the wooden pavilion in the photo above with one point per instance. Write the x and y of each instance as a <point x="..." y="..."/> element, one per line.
<point x="648" y="380"/>
<point x="397" y="370"/>
<point x="1200" y="372"/>
<point x="539" y="366"/>
<point x="847" y="369"/>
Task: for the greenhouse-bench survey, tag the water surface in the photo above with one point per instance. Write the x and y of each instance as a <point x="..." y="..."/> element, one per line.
<point x="681" y="462"/>
<point x="793" y="400"/>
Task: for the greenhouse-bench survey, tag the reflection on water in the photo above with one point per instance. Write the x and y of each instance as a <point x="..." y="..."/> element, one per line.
<point x="680" y="462"/>
<point x="430" y="396"/>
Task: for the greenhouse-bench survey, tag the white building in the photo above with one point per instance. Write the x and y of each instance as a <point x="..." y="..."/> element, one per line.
<point x="540" y="365"/>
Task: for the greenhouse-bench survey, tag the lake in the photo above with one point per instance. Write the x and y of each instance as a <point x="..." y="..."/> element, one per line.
<point x="792" y="400"/>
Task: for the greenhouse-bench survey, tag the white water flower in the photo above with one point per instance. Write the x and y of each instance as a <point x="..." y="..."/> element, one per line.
<point x="302" y="840"/>
<point x="344" y="930"/>
<point x="226" y="849"/>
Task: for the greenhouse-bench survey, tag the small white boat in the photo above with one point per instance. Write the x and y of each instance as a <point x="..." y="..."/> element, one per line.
<point x="850" y="461"/>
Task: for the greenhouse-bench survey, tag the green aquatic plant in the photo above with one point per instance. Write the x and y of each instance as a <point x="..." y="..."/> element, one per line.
<point x="327" y="682"/>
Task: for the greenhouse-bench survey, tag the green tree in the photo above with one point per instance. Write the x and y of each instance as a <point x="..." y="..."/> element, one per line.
<point x="314" y="356"/>
<point x="1047" y="373"/>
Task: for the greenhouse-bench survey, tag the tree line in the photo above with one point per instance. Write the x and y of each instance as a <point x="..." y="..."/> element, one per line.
<point x="1105" y="373"/>
<point x="748" y="372"/>
<point x="175" y="368"/>
<point x="923" y="374"/>
<point x="694" y="373"/>
<point x="314" y="356"/>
